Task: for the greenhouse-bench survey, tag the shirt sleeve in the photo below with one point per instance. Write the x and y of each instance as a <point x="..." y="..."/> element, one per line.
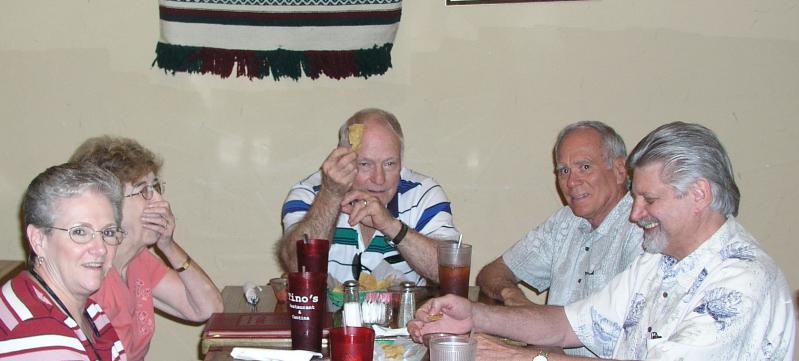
<point x="531" y="258"/>
<point x="147" y="266"/>
<point x="298" y="202"/>
<point x="435" y="219"/>
<point x="598" y="319"/>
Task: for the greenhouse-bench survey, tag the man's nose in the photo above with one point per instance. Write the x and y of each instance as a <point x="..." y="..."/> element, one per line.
<point x="379" y="176"/>
<point x="574" y="179"/>
<point x="637" y="212"/>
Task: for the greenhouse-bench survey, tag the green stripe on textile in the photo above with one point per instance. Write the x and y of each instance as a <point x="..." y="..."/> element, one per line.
<point x="346" y="236"/>
<point x="379" y="245"/>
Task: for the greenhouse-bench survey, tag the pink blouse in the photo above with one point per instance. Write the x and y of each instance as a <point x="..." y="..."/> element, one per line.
<point x="130" y="305"/>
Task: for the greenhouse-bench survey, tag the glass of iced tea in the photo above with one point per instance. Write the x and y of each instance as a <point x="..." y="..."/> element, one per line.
<point x="454" y="262"/>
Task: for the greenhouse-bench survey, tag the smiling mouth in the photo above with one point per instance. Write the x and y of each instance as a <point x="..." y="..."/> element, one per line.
<point x="577" y="197"/>
<point x="94" y="265"/>
<point x="648" y="226"/>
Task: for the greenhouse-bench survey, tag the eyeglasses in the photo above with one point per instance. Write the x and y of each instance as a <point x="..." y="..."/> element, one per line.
<point x="112" y="236"/>
<point x="147" y="191"/>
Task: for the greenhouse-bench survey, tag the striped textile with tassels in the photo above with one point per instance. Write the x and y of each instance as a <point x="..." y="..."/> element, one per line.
<point x="281" y="38"/>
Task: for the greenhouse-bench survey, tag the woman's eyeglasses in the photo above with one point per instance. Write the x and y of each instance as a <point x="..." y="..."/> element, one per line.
<point x="147" y="191"/>
<point x="112" y="236"/>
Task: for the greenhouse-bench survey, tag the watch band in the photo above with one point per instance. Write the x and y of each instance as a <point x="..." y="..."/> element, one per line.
<point x="184" y="266"/>
<point x="394" y="242"/>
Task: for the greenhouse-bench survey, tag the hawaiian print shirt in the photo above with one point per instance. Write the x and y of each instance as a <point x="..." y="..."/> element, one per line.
<point x="725" y="301"/>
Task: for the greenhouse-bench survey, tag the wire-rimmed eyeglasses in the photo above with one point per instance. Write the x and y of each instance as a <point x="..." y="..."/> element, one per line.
<point x="112" y="236"/>
<point x="147" y="191"/>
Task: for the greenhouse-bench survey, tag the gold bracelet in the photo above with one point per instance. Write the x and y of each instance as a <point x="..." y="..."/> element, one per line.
<point x="184" y="266"/>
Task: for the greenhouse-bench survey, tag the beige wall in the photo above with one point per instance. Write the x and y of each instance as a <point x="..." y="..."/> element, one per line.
<point x="481" y="91"/>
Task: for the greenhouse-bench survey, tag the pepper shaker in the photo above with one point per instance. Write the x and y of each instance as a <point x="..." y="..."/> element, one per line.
<point x="407" y="306"/>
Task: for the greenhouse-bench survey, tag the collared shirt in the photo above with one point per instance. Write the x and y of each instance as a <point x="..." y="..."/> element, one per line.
<point x="420" y="203"/>
<point x="567" y="257"/>
<point x="33" y="327"/>
<point x="725" y="301"/>
<point x="129" y="302"/>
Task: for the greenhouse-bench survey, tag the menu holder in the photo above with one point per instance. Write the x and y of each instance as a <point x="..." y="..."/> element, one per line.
<point x="266" y="329"/>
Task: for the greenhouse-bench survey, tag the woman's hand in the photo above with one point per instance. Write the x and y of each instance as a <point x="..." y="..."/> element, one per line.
<point x="157" y="216"/>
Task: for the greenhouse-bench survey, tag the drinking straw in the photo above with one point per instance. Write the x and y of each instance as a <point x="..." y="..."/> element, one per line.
<point x="460" y="238"/>
<point x="305" y="238"/>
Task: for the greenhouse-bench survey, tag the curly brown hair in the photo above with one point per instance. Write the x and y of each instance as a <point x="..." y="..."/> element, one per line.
<point x="124" y="157"/>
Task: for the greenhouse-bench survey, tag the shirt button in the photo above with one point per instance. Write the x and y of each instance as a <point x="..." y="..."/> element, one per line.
<point x="665" y="294"/>
<point x="587" y="248"/>
<point x="579" y="280"/>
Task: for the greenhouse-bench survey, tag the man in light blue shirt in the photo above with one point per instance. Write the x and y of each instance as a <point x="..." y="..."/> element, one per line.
<point x="582" y="246"/>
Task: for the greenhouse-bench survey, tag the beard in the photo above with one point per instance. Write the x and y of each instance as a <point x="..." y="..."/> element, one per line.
<point x="655" y="241"/>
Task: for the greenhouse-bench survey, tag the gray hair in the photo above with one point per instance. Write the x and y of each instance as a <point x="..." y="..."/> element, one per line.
<point x="360" y="117"/>
<point x="689" y="152"/>
<point x="613" y="144"/>
<point x="39" y="205"/>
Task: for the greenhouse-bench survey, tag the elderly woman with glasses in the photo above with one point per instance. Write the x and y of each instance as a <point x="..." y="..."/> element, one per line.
<point x="139" y="281"/>
<point x="71" y="218"/>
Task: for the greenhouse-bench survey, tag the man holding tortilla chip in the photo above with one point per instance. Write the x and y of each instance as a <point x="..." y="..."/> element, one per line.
<point x="376" y="212"/>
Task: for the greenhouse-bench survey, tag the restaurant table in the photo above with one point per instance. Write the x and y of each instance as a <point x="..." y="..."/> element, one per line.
<point x="9" y="268"/>
<point x="218" y="349"/>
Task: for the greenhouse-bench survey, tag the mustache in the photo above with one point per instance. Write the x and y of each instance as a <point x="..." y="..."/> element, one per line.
<point x="646" y="221"/>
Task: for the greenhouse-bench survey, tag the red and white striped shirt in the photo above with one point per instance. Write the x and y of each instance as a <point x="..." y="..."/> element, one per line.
<point x="32" y="327"/>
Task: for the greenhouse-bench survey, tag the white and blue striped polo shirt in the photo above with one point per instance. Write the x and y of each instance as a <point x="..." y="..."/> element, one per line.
<point x="420" y="203"/>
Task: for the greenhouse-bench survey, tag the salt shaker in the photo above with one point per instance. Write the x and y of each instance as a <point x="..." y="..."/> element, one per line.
<point x="351" y="314"/>
<point x="407" y="306"/>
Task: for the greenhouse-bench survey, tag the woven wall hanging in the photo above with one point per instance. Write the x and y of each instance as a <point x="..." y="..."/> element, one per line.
<point x="281" y="38"/>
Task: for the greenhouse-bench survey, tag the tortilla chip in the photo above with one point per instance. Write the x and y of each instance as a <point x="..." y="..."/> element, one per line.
<point x="393" y="351"/>
<point x="355" y="135"/>
<point x="436" y="317"/>
<point x="368" y="282"/>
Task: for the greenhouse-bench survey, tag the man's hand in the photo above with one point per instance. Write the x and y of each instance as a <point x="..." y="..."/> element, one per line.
<point x="492" y="348"/>
<point x="451" y="314"/>
<point x="367" y="209"/>
<point x="339" y="170"/>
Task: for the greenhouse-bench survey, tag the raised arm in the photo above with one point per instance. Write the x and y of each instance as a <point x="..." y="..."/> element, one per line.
<point x="338" y="173"/>
<point x="189" y="294"/>
<point x="498" y="282"/>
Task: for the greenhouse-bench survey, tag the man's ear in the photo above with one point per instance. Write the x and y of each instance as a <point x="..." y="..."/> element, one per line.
<point x="702" y="193"/>
<point x="620" y="169"/>
<point x="36" y="239"/>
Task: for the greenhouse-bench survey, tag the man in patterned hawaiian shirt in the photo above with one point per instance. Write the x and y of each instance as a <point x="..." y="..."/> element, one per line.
<point x="704" y="290"/>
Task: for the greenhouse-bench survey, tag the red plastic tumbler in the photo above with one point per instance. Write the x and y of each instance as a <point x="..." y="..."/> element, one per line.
<point x="313" y="255"/>
<point x="351" y="344"/>
<point x="307" y="300"/>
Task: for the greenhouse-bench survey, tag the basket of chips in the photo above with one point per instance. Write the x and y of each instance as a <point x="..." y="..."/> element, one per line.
<point x="367" y="284"/>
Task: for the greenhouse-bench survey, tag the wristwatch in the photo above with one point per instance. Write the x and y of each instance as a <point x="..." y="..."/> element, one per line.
<point x="542" y="356"/>
<point x="394" y="242"/>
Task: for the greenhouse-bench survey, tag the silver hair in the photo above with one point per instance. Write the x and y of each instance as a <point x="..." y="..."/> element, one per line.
<point x="360" y="117"/>
<point x="689" y="152"/>
<point x="40" y="203"/>
<point x="613" y="144"/>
